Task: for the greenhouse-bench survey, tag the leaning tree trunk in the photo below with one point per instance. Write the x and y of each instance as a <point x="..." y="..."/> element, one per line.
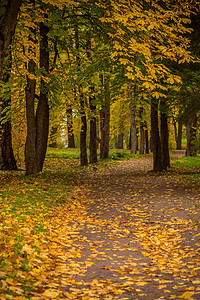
<point x="105" y="121"/>
<point x="164" y="137"/>
<point x="8" y="21"/>
<point x="155" y="138"/>
<point x="93" y="132"/>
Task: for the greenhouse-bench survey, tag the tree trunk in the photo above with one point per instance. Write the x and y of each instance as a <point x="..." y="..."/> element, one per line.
<point x="191" y="137"/>
<point x="155" y="138"/>
<point x="8" y="21"/>
<point x="37" y="126"/>
<point x="42" y="114"/>
<point x="120" y="141"/>
<point x="164" y="137"/>
<point x="146" y="141"/>
<point x="133" y="134"/>
<point x="133" y="131"/>
<point x="30" y="146"/>
<point x="7" y="159"/>
<point x="83" y="136"/>
<point x="71" y="141"/>
<point x="105" y="121"/>
<point x="53" y="143"/>
<point x="93" y="133"/>
<point x="175" y="133"/>
<point x="179" y="138"/>
<point x="141" y="132"/>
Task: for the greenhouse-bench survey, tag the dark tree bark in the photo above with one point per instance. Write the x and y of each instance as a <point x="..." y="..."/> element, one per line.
<point x="164" y="137"/>
<point x="120" y="144"/>
<point x="71" y="140"/>
<point x="8" y="21"/>
<point x="141" y="131"/>
<point x="30" y="146"/>
<point x="53" y="143"/>
<point x="105" y="121"/>
<point x="155" y="138"/>
<point x="83" y="136"/>
<point x="7" y="159"/>
<point x="146" y="141"/>
<point x="37" y="125"/>
<point x="93" y="133"/>
<point x="133" y="134"/>
<point x="175" y="133"/>
<point x="179" y="137"/>
<point x="191" y="129"/>
<point x="42" y="114"/>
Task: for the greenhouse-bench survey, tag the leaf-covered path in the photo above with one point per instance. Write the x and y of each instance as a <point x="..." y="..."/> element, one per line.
<point x="139" y="238"/>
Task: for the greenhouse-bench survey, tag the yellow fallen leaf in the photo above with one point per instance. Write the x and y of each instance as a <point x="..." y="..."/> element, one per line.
<point x="196" y="281"/>
<point x="187" y="295"/>
<point x="50" y="294"/>
<point x="11" y="281"/>
<point x="141" y="283"/>
<point x="194" y="273"/>
<point x="117" y="292"/>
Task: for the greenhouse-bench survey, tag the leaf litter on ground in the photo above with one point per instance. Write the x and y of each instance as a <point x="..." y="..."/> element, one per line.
<point x="106" y="239"/>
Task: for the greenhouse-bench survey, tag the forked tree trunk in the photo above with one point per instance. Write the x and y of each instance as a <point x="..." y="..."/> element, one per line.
<point x="155" y="138"/>
<point x="105" y="121"/>
<point x="8" y="21"/>
<point x="37" y="126"/>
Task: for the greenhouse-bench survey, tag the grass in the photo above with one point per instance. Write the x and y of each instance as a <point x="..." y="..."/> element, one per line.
<point x="188" y="170"/>
<point x="31" y="209"/>
<point x="114" y="154"/>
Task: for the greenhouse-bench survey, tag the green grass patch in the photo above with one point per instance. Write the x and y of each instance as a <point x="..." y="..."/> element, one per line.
<point x="69" y="153"/>
<point x="187" y="169"/>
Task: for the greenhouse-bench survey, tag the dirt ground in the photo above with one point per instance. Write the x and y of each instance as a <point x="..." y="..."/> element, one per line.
<point x="140" y="238"/>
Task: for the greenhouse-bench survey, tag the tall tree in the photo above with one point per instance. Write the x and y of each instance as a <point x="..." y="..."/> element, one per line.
<point x="37" y="123"/>
<point x="155" y="137"/>
<point x="9" y="11"/>
<point x="105" y="118"/>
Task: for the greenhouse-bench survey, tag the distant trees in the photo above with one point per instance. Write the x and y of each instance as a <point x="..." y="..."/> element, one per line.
<point x="83" y="58"/>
